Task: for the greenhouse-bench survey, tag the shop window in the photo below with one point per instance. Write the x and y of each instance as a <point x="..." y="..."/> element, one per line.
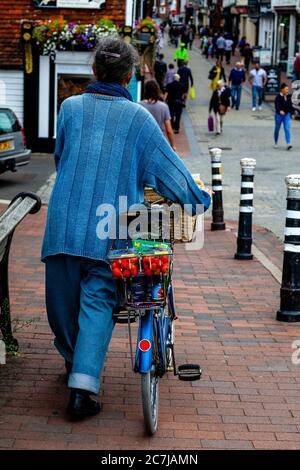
<point x="70" y="85"/>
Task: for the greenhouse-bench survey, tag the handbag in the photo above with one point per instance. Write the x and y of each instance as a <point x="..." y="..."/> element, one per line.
<point x="222" y="109"/>
<point x="210" y="124"/>
<point x="192" y="93"/>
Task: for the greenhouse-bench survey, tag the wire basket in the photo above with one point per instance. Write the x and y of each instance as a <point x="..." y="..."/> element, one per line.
<point x="143" y="279"/>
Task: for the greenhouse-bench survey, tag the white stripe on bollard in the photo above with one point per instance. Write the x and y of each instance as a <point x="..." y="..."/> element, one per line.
<point x="292" y="248"/>
<point x="293" y="214"/>
<point x="246" y="209"/>
<point x="247" y="184"/>
<point x="292" y="231"/>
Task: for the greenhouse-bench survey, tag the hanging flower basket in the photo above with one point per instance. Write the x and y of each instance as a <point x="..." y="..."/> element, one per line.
<point x="59" y="35"/>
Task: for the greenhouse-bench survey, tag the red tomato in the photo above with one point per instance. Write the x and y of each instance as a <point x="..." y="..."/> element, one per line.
<point x="134" y="271"/>
<point x="147" y="272"/>
<point x="115" y="264"/>
<point x="165" y="268"/>
<point x="117" y="272"/>
<point x="134" y="260"/>
<point x="160" y="292"/>
<point x="165" y="259"/>
<point x="125" y="263"/>
<point x="154" y="266"/>
<point x="126" y="273"/>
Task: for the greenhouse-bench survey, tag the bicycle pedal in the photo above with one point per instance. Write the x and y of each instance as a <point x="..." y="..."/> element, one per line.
<point x="122" y="317"/>
<point x="189" y="372"/>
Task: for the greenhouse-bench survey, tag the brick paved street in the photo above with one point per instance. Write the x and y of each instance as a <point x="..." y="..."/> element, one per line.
<point x="246" y="399"/>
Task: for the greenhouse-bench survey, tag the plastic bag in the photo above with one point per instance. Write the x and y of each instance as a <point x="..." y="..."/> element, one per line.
<point x="192" y="93"/>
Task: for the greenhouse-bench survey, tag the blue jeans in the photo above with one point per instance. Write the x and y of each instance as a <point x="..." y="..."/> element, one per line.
<point x="236" y="93"/>
<point x="257" y="90"/>
<point x="286" y="120"/>
<point x="80" y="296"/>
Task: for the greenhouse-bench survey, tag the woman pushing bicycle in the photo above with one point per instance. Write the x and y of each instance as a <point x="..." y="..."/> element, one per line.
<point x="106" y="147"/>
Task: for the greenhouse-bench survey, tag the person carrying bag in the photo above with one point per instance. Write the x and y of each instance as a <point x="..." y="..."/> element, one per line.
<point x="219" y="103"/>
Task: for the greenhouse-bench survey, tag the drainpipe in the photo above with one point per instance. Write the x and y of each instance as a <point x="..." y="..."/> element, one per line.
<point x="275" y="38"/>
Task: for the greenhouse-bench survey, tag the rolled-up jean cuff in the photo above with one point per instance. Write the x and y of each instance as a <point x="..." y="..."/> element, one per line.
<point x="84" y="382"/>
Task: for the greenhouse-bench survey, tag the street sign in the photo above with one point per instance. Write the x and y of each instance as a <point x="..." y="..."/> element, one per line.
<point x="273" y="84"/>
<point x="92" y="4"/>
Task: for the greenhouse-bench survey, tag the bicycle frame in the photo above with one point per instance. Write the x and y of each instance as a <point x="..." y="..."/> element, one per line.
<point x="143" y="359"/>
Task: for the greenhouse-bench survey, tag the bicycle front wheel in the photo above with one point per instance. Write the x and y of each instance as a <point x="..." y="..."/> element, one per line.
<point x="150" y="400"/>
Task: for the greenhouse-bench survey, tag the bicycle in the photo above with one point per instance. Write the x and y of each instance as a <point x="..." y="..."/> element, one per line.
<point x="145" y="284"/>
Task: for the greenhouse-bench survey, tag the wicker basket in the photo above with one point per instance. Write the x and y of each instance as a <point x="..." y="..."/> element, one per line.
<point x="182" y="226"/>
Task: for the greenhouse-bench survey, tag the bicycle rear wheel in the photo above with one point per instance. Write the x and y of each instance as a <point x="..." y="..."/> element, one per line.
<point x="150" y="400"/>
<point x="150" y="386"/>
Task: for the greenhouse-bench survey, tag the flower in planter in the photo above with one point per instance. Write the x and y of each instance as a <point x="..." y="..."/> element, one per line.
<point x="58" y="34"/>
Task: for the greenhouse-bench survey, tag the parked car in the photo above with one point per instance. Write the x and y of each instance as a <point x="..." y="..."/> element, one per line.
<point x="13" y="151"/>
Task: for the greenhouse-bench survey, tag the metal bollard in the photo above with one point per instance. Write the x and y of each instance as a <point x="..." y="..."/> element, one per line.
<point x="244" y="239"/>
<point x="290" y="286"/>
<point x="217" y="199"/>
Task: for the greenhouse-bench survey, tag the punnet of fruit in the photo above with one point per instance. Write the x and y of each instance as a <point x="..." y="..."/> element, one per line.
<point x="141" y="260"/>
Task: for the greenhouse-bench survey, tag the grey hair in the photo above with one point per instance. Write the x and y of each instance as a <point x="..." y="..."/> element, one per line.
<point x="114" y="59"/>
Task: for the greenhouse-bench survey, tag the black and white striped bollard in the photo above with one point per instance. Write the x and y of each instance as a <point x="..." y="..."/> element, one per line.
<point x="244" y="239"/>
<point x="217" y="198"/>
<point x="290" y="286"/>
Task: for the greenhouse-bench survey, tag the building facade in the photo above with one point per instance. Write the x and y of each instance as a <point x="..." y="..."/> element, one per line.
<point x="286" y="32"/>
<point x="33" y="84"/>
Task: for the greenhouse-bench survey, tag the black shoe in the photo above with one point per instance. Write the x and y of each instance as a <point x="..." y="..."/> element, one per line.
<point x="81" y="405"/>
<point x="176" y="132"/>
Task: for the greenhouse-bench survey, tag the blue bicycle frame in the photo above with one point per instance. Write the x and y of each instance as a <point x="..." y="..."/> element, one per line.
<point x="144" y="359"/>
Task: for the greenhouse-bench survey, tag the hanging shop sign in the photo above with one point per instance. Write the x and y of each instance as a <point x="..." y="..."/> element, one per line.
<point x="92" y="4"/>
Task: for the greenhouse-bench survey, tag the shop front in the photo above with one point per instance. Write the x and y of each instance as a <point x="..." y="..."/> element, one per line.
<point x="287" y="32"/>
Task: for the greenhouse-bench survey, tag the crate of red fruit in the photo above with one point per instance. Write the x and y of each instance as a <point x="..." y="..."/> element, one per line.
<point x="144" y="272"/>
<point x="149" y="260"/>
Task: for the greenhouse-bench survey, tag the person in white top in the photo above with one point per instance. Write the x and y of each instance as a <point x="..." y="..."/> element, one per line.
<point x="228" y="49"/>
<point x="258" y="79"/>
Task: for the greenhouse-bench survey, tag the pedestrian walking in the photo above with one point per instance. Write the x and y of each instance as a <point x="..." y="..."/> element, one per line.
<point x="236" y="79"/>
<point x="181" y="54"/>
<point x="258" y="79"/>
<point x="296" y="67"/>
<point x="160" y="111"/>
<point x="228" y="49"/>
<point x="107" y="148"/>
<point x="186" y="77"/>
<point x="235" y="41"/>
<point x="191" y="33"/>
<point x="219" y="104"/>
<point x="248" y="55"/>
<point x="283" y="112"/>
<point x="175" y="97"/>
<point x="216" y="73"/>
<point x="242" y="45"/>
<point x="160" y="70"/>
<point x="185" y="35"/>
<point x="221" y="44"/>
<point x="169" y="77"/>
